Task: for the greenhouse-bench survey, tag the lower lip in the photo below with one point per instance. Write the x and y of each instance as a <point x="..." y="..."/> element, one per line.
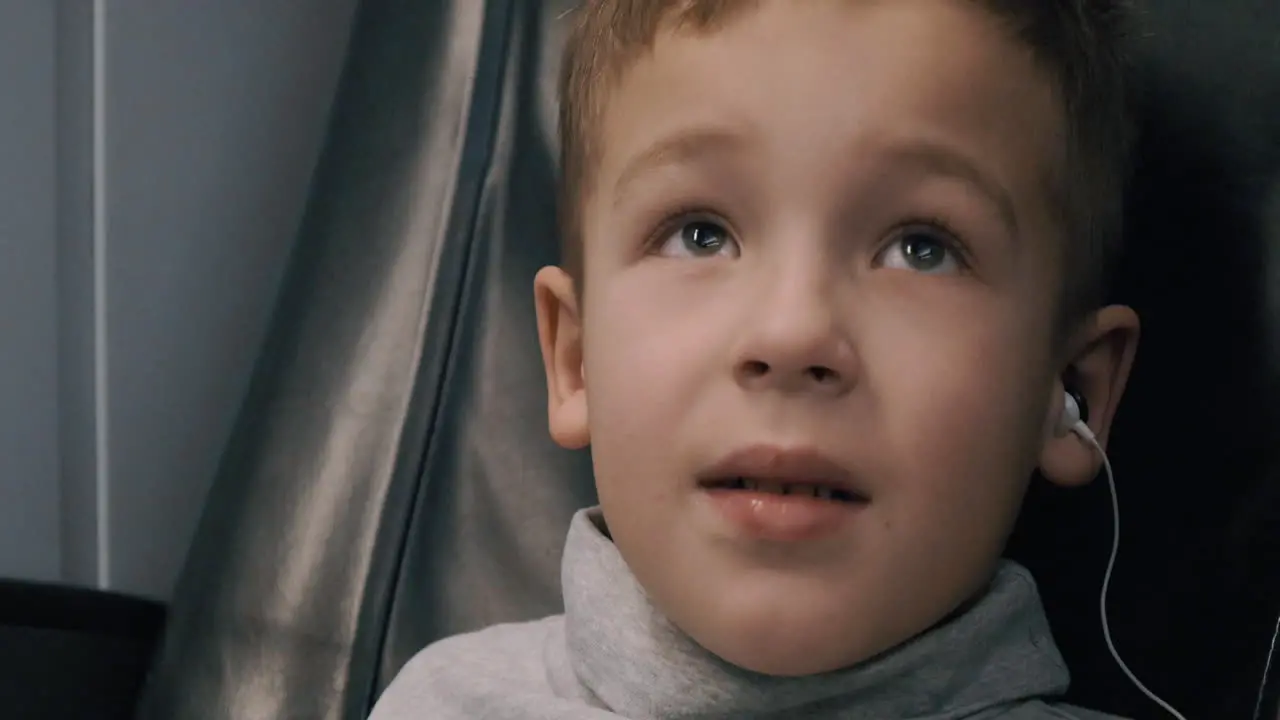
<point x="783" y="518"/>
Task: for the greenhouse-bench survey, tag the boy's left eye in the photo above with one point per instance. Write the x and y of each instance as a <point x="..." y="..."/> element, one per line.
<point x="922" y="250"/>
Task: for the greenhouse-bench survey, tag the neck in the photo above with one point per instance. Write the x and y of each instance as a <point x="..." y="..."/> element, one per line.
<point x="996" y="651"/>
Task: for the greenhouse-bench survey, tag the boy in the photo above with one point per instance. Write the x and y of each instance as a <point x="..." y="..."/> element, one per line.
<point x="828" y="263"/>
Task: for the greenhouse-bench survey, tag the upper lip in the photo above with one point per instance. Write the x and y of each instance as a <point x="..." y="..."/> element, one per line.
<point x="787" y="466"/>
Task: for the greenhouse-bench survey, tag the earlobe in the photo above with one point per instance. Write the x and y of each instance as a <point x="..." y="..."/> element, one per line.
<point x="1098" y="370"/>
<point x="560" y="336"/>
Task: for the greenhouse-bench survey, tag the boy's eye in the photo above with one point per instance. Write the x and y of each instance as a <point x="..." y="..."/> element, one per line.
<point x="924" y="251"/>
<point x="699" y="238"/>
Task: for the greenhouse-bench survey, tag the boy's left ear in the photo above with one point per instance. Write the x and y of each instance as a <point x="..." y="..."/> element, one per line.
<point x="1102" y="356"/>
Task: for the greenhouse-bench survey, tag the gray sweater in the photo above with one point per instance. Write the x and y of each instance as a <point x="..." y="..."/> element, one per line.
<point x="612" y="655"/>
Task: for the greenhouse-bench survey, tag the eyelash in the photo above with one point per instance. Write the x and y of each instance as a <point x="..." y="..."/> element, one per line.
<point x="678" y="219"/>
<point x="943" y="230"/>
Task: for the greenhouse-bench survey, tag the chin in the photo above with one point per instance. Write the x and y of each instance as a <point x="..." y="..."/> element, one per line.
<point x="787" y="638"/>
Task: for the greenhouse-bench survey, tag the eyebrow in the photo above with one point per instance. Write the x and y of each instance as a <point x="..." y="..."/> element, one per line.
<point x="681" y="148"/>
<point x="693" y="144"/>
<point x="942" y="159"/>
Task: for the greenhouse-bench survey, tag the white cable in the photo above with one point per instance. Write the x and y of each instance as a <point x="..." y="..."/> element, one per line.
<point x="1266" y="672"/>
<point x="1083" y="431"/>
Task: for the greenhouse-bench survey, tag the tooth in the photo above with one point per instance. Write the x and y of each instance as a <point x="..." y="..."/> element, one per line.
<point x="749" y="484"/>
<point x="822" y="493"/>
<point x="771" y="486"/>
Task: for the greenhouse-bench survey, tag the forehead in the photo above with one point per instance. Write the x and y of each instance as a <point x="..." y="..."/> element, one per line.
<point x="828" y="83"/>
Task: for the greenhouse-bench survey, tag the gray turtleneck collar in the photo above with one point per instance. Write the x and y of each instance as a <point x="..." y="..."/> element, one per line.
<point x="613" y="655"/>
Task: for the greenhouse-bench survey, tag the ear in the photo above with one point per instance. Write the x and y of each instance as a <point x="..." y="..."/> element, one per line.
<point x="560" y="335"/>
<point x="1099" y="363"/>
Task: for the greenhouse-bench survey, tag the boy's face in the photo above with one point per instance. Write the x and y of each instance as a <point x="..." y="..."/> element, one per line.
<point x="819" y="249"/>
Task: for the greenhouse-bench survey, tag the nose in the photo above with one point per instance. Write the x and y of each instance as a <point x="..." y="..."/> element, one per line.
<point x="793" y="341"/>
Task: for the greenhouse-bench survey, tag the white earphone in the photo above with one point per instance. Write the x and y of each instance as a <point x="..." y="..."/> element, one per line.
<point x="1073" y="420"/>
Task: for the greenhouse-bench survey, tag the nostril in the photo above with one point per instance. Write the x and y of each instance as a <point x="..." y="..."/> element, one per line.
<point x="822" y="374"/>
<point x="755" y="368"/>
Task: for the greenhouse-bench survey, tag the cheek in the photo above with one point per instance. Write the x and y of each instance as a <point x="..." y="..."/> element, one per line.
<point x="962" y="404"/>
<point x="648" y="344"/>
<point x="645" y="363"/>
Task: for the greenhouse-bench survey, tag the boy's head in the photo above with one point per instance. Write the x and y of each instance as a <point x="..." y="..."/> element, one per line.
<point x="850" y="242"/>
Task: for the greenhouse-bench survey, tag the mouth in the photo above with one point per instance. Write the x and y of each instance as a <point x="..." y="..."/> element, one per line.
<point x="784" y="486"/>
<point x="770" y="470"/>
<point x="782" y="495"/>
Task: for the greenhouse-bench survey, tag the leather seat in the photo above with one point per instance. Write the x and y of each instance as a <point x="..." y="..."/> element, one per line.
<point x="391" y="480"/>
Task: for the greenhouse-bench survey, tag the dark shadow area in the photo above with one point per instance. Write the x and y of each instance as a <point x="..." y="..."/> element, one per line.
<point x="71" y="653"/>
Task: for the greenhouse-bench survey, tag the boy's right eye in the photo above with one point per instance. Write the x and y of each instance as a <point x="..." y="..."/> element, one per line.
<point x="698" y="239"/>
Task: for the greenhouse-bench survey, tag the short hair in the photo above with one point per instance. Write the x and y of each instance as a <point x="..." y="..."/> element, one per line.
<point x="1079" y="44"/>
